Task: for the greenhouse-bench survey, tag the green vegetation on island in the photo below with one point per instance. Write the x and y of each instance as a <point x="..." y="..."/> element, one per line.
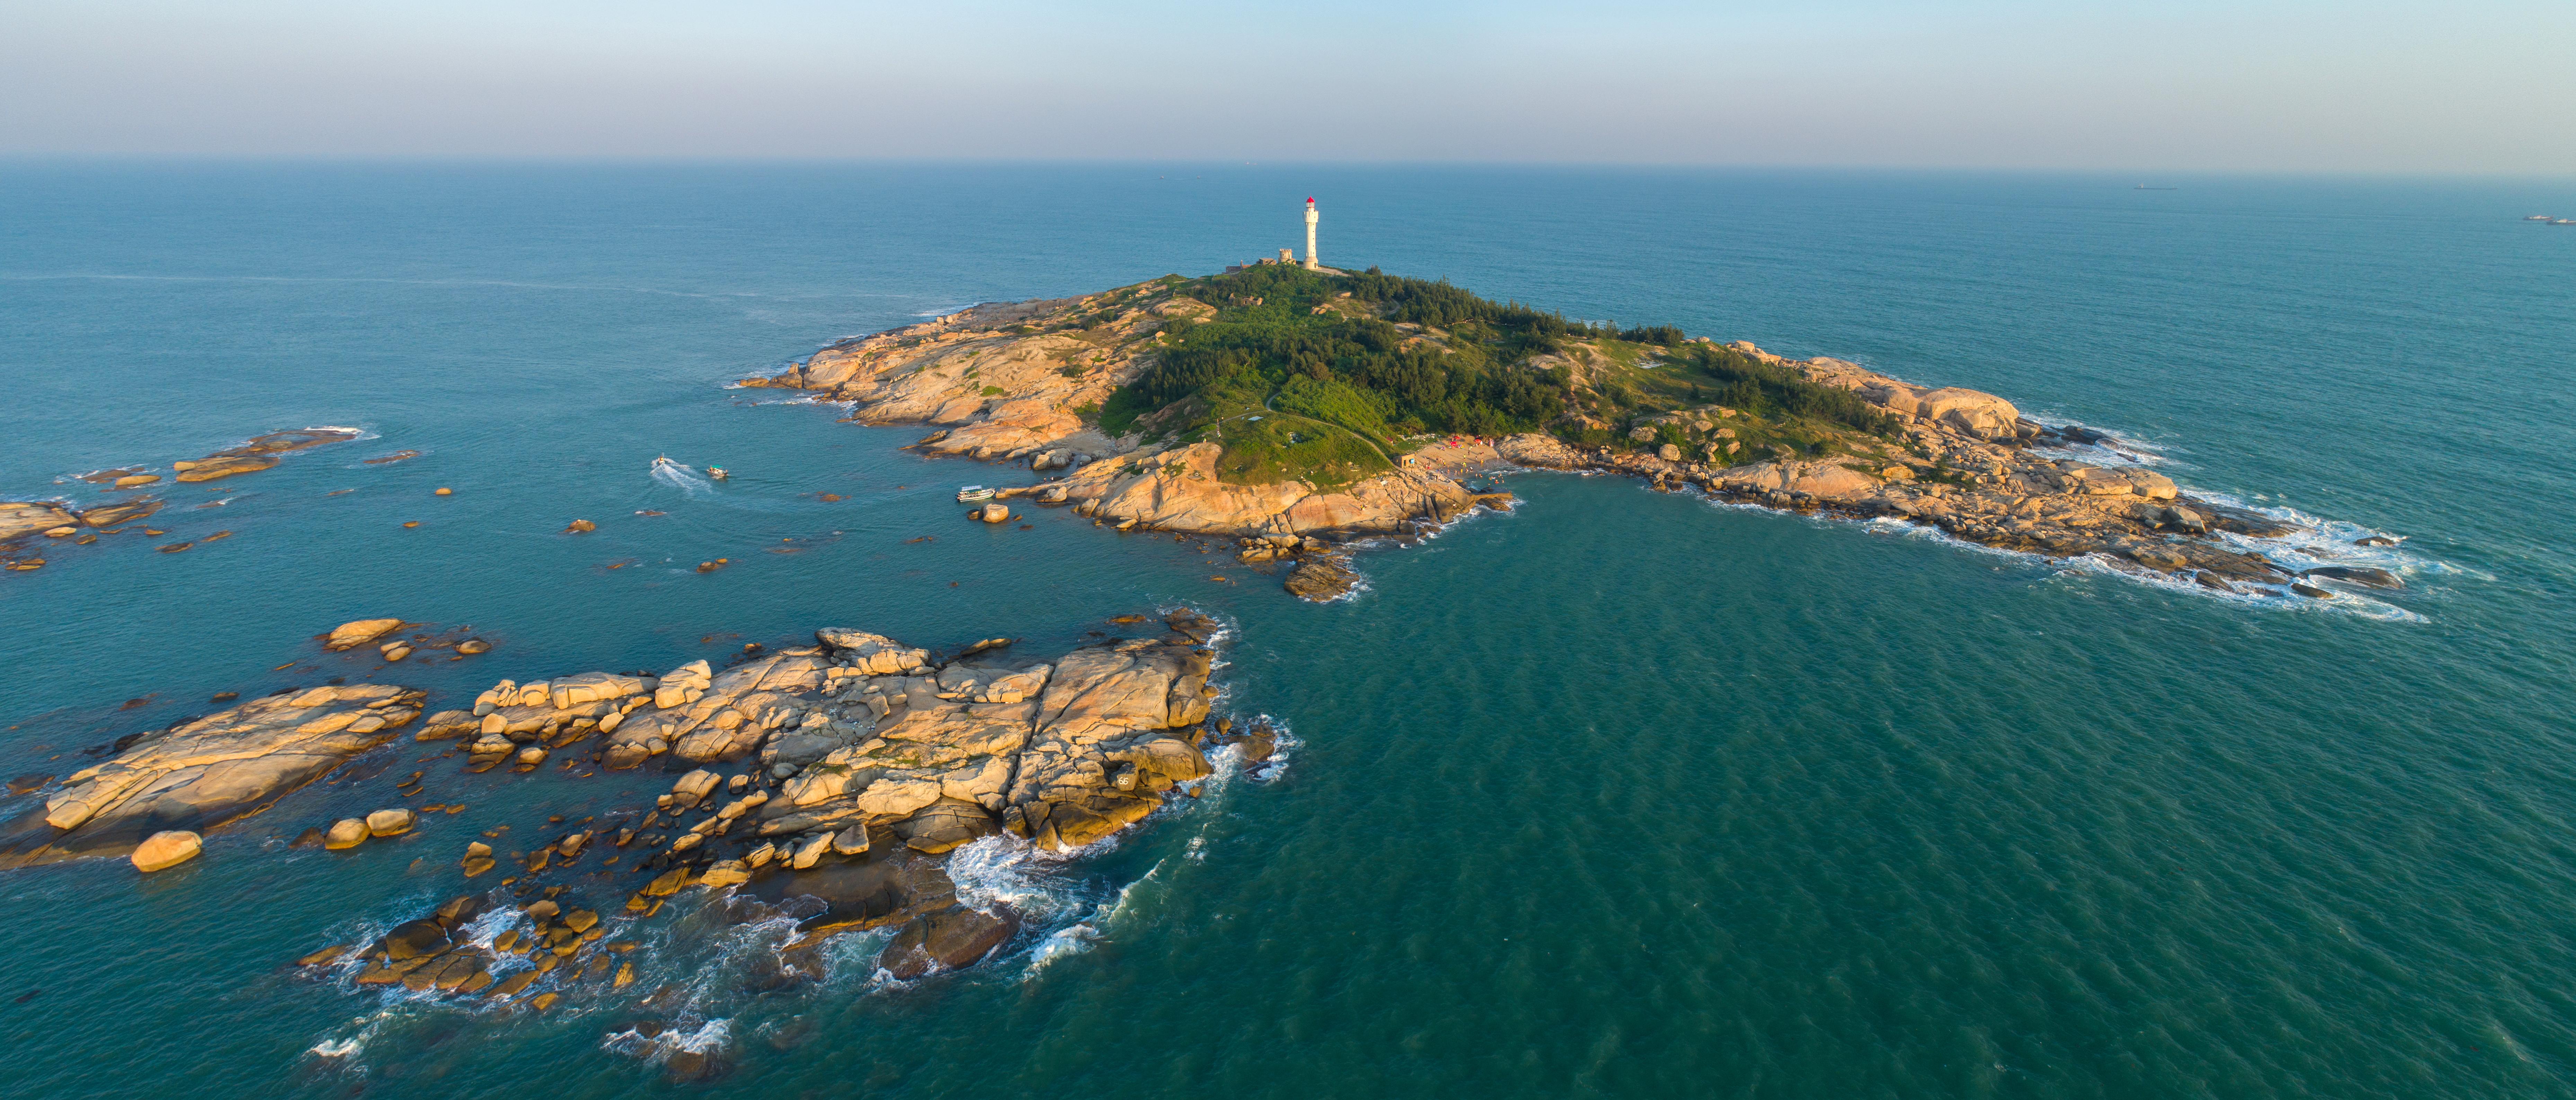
<point x="1329" y="377"/>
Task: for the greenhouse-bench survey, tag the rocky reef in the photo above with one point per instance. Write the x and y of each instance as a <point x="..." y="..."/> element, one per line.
<point x="827" y="783"/>
<point x="823" y="782"/>
<point x="22" y="522"/>
<point x="1971" y="465"/>
<point x="860" y="732"/>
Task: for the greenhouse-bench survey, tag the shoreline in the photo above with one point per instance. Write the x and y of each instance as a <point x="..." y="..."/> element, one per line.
<point x="1962" y="461"/>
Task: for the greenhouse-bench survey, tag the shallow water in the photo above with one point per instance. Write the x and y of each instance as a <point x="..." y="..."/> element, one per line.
<point x="1623" y="793"/>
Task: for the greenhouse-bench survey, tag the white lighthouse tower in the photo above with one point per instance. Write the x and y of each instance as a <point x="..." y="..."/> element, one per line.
<point x="1311" y="264"/>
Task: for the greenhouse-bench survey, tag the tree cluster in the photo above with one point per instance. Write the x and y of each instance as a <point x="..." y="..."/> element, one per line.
<point x="1358" y="371"/>
<point x="1774" y="389"/>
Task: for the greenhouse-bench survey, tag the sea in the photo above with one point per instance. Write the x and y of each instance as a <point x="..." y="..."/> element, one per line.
<point x="1622" y="793"/>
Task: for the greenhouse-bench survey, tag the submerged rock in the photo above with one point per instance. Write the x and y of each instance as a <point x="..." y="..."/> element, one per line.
<point x="1322" y="578"/>
<point x="2370" y="576"/>
<point x="951" y="939"/>
<point x="871" y="891"/>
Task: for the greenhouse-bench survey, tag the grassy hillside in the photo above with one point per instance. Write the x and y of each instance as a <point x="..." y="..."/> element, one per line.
<point x="1325" y="377"/>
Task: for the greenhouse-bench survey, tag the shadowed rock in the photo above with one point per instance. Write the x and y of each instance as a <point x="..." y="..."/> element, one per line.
<point x="950" y="939"/>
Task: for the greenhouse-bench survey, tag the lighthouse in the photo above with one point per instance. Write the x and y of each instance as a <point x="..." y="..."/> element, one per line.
<point x="1311" y="264"/>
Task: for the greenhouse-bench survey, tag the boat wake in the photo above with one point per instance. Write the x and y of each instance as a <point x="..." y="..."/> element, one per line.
<point x="682" y="477"/>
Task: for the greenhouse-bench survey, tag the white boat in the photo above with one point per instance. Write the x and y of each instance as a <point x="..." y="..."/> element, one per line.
<point x="2537" y="218"/>
<point x="974" y="492"/>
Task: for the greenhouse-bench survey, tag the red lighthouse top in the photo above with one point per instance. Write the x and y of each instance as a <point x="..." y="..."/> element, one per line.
<point x="1310" y="200"/>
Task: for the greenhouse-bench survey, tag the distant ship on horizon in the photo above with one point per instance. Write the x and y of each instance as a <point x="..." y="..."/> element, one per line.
<point x="2144" y="187"/>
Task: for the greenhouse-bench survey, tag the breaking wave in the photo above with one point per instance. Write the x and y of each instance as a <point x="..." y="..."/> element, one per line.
<point x="1071" y="940"/>
<point x="1004" y="871"/>
<point x="2312" y="542"/>
<point x="705" y="1037"/>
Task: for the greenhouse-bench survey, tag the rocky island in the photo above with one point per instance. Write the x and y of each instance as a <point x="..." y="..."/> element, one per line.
<point x="1297" y="409"/>
<point x="827" y="781"/>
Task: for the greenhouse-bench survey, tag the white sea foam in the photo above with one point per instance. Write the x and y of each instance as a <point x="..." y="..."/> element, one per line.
<point x="705" y="1037"/>
<point x="711" y="1035"/>
<point x="2312" y="542"/>
<point x="1073" y="939"/>
<point x="343" y="1050"/>
<point x="2121" y="448"/>
<point x="1117" y="907"/>
<point x="2344" y="601"/>
<point x="338" y="1048"/>
<point x="1228" y="761"/>
<point x="1006" y="871"/>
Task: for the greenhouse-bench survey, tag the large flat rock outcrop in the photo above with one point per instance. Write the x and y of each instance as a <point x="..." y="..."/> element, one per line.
<point x="861" y="733"/>
<point x="1180" y="490"/>
<point x="22" y="519"/>
<point x="201" y="774"/>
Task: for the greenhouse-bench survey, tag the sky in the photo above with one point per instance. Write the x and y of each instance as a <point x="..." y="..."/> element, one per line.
<point x="2178" y="86"/>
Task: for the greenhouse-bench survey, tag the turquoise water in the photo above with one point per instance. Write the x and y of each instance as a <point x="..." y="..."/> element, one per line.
<point x="1625" y="793"/>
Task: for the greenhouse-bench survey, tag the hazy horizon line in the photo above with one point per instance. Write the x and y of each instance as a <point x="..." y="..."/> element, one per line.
<point x="2145" y="174"/>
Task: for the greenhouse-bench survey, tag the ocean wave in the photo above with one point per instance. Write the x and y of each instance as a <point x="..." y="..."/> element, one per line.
<point x="1063" y="943"/>
<point x="1007" y="872"/>
<point x="349" y="1047"/>
<point x="2117" y="449"/>
<point x="1117" y="907"/>
<point x="2345" y="599"/>
<point x="2342" y="602"/>
<point x="2314" y="542"/>
<point x="703" y="1036"/>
